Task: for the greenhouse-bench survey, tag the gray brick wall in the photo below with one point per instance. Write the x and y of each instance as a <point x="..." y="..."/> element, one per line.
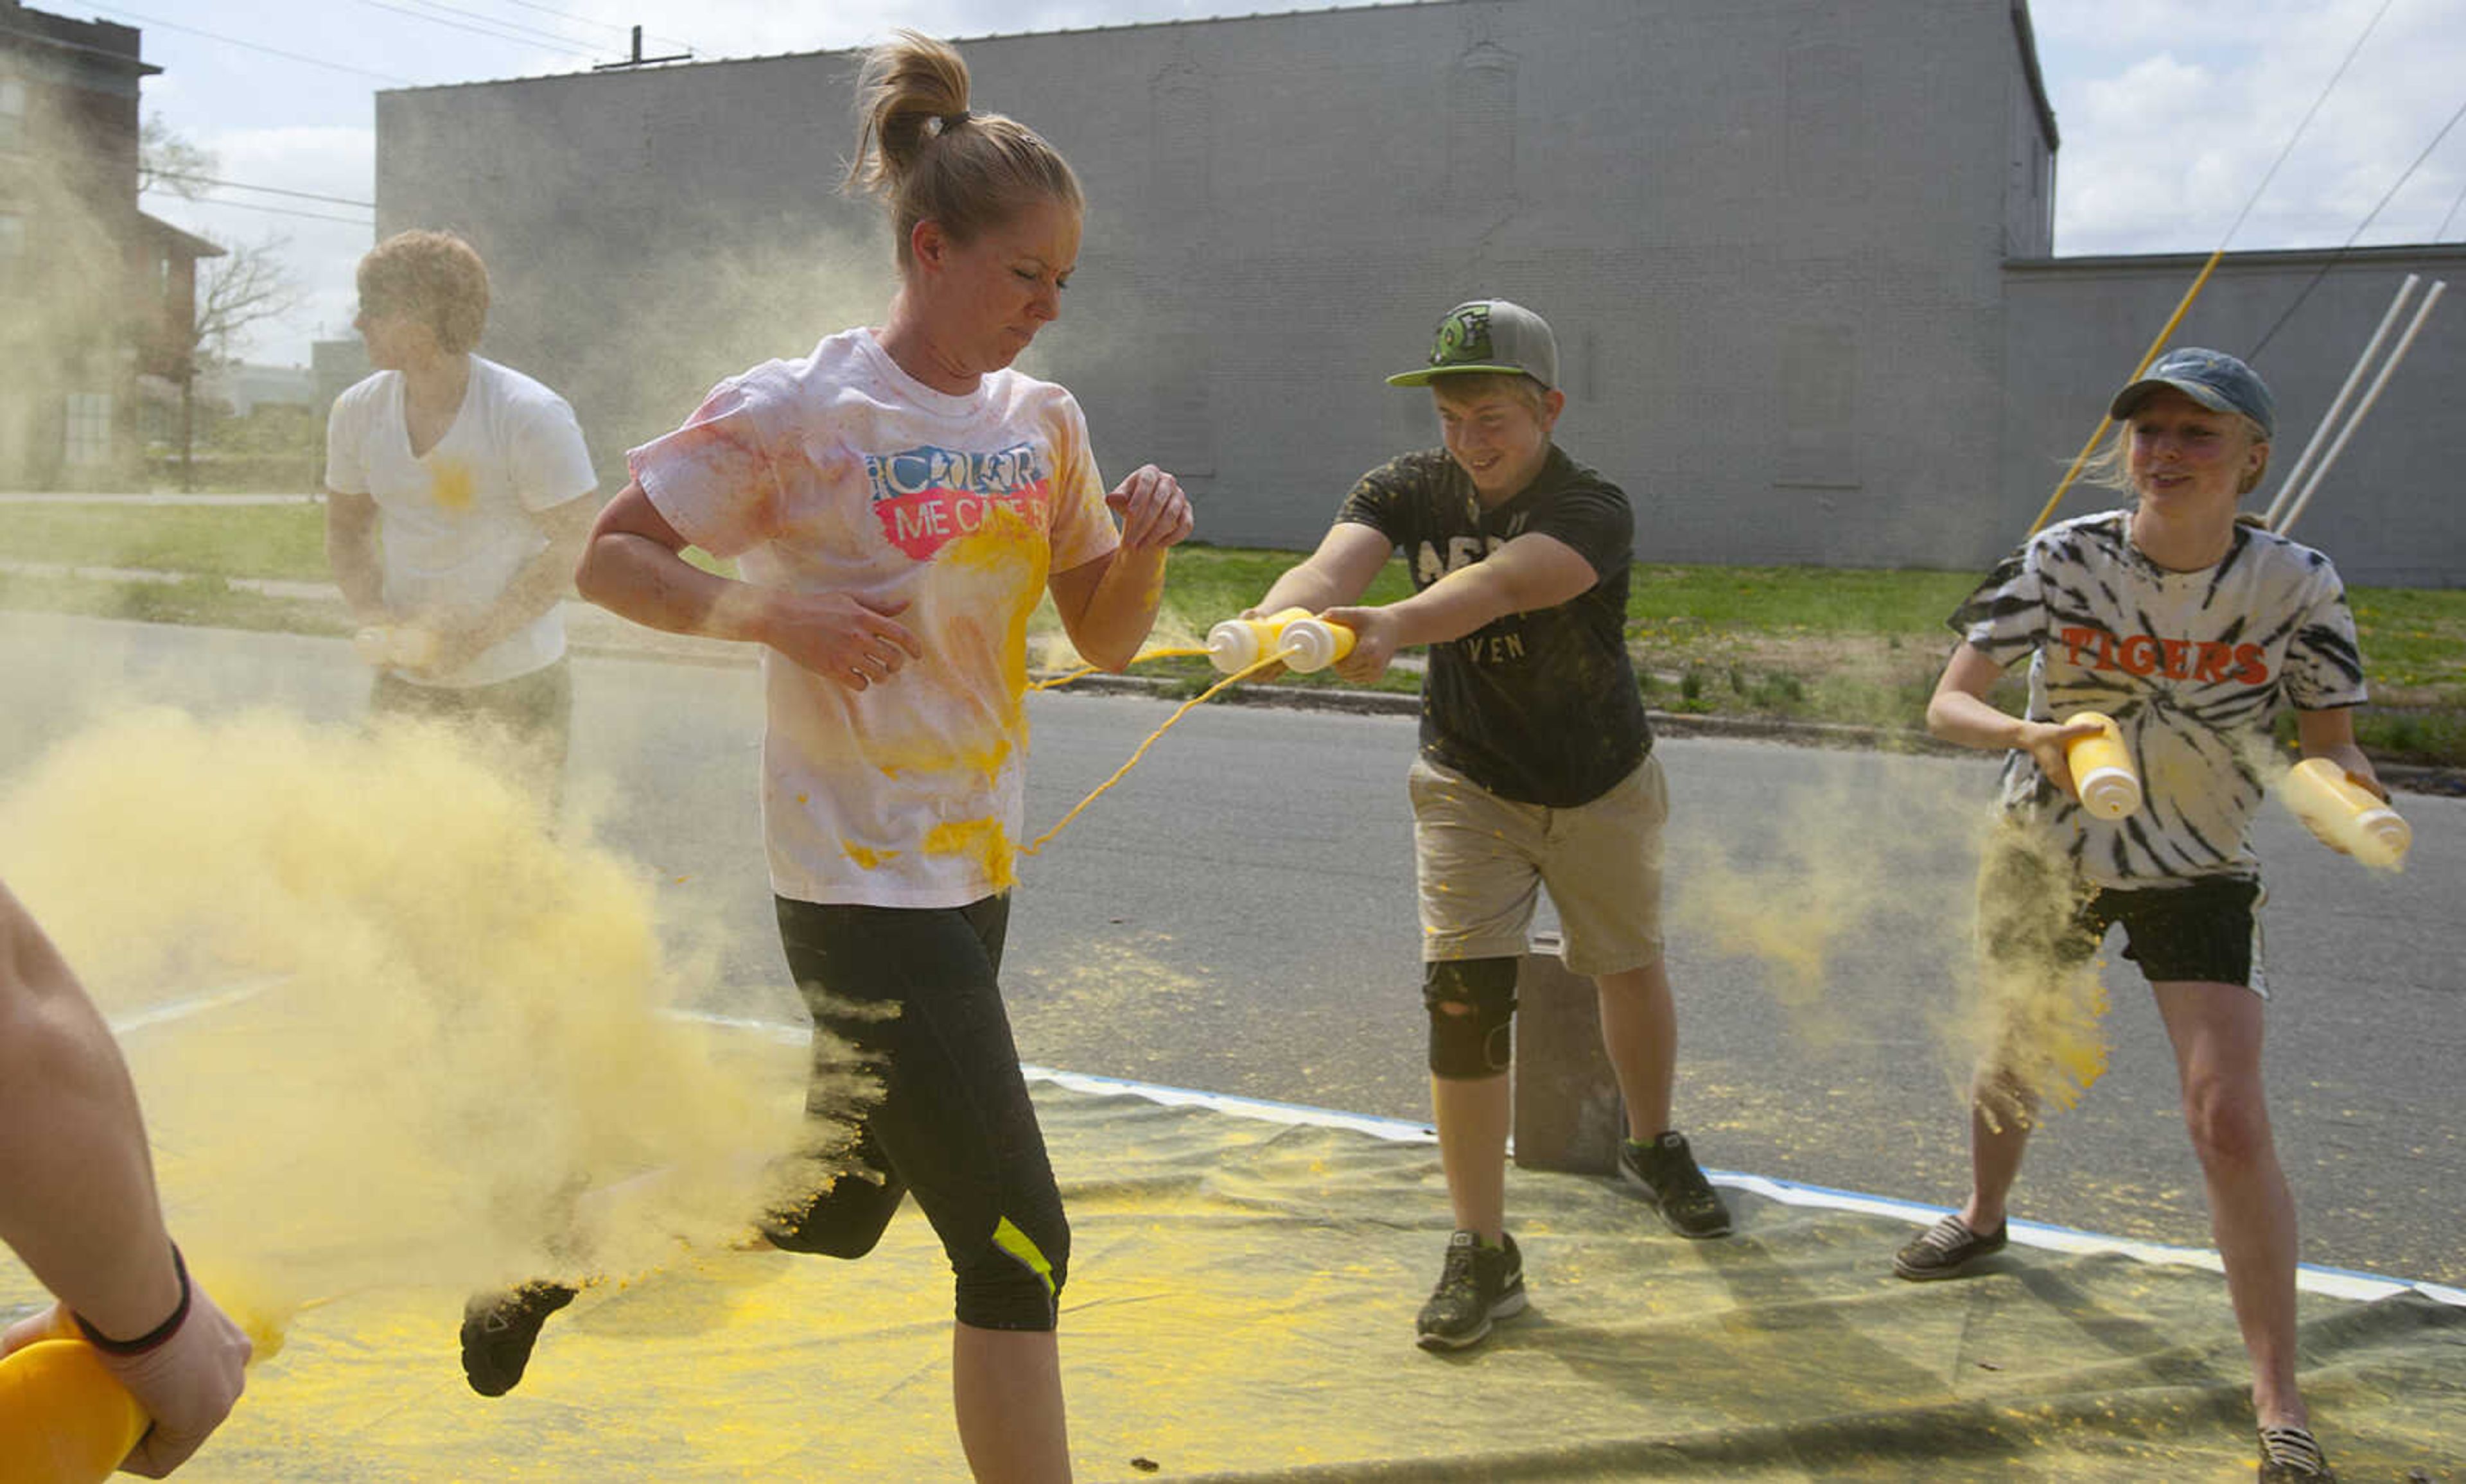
<point x="1771" y="234"/>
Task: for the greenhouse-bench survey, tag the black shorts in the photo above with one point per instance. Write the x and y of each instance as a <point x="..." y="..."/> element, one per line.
<point x="954" y="1125"/>
<point x="2031" y="908"/>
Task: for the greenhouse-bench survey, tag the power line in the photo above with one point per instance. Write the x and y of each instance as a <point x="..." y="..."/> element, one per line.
<point x="586" y="20"/>
<point x="294" y="57"/>
<point x="2325" y="91"/>
<point x="2452" y="216"/>
<point x="285" y="211"/>
<point x="2360" y="228"/>
<point x="562" y="43"/>
<point x="272" y="191"/>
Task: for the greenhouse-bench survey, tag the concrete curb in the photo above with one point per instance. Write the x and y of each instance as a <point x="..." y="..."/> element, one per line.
<point x="595" y="633"/>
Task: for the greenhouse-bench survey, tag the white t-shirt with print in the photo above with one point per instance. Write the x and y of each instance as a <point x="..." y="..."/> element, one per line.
<point x="2194" y="667"/>
<point x="454" y="524"/>
<point x="842" y="473"/>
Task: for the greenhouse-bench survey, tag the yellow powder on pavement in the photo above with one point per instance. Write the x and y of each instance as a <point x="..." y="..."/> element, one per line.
<point x="437" y="1055"/>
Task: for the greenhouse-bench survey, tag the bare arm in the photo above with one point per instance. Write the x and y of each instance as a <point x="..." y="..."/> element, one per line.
<point x="1340" y="571"/>
<point x="633" y="566"/>
<point x="2331" y="734"/>
<point x="1529" y="573"/>
<point x="1959" y="711"/>
<point x="537" y="585"/>
<point x="351" y="552"/>
<point x="1108" y="605"/>
<point x="78" y="1201"/>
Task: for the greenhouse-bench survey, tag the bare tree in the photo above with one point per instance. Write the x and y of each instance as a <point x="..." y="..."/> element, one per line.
<point x="168" y="161"/>
<point x="249" y="284"/>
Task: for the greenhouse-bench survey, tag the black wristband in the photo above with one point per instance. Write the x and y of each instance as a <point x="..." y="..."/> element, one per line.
<point x="154" y="1337"/>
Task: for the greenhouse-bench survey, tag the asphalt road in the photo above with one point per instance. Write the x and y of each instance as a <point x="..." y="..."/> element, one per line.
<point x="1238" y="916"/>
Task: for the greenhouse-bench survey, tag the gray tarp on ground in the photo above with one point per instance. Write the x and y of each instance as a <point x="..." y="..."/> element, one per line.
<point x="1241" y="1307"/>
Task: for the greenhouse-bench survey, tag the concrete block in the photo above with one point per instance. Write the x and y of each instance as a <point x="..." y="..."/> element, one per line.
<point x="1568" y="1114"/>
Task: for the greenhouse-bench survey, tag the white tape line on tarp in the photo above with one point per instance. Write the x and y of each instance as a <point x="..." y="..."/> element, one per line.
<point x="2312" y="1278"/>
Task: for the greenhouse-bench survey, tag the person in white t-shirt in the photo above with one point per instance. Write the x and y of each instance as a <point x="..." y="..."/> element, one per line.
<point x="455" y="506"/>
<point x="2193" y="630"/>
<point x="897" y="503"/>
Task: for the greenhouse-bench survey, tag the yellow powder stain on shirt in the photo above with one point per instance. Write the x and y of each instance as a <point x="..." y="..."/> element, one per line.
<point x="983" y="839"/>
<point x="864" y="856"/>
<point x="1015" y="551"/>
<point x="449" y="486"/>
<point x="935" y="756"/>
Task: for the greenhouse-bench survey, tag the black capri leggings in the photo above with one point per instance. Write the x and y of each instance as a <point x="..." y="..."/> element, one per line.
<point x="954" y="1124"/>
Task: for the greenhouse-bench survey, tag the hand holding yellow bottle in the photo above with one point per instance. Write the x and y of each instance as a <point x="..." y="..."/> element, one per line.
<point x="63" y="1418"/>
<point x="2345" y="816"/>
<point x="2102" y="765"/>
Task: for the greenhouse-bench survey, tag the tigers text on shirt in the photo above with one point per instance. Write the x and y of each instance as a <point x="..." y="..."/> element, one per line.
<point x="2194" y="667"/>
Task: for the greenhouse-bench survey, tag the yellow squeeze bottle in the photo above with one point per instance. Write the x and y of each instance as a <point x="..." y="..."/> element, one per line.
<point x="1314" y="643"/>
<point x="1236" y="644"/>
<point x="64" y="1418"/>
<point x="2345" y="815"/>
<point x="2102" y="769"/>
<point x="388" y="644"/>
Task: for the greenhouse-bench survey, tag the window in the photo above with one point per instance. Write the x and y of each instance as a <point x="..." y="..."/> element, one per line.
<point x="87" y="438"/>
<point x="13" y="252"/>
<point x="13" y="112"/>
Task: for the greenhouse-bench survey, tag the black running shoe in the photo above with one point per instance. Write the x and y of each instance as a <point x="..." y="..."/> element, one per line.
<point x="499" y="1330"/>
<point x="1478" y="1284"/>
<point x="1946" y="1247"/>
<point x="1665" y="1171"/>
<point x="2292" y="1455"/>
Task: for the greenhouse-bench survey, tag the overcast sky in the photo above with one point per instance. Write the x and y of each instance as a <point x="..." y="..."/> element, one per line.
<point x="2223" y="84"/>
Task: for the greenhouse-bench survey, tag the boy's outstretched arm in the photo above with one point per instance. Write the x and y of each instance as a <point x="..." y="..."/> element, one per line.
<point x="1347" y="561"/>
<point x="1532" y="571"/>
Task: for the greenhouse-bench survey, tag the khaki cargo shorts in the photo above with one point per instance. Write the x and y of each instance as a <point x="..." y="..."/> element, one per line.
<point x="1480" y="860"/>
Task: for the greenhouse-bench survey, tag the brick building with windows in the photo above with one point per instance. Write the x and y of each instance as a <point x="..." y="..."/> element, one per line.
<point x="93" y="291"/>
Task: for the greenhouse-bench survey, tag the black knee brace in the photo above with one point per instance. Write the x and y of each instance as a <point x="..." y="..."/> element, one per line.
<point x="1472" y="1015"/>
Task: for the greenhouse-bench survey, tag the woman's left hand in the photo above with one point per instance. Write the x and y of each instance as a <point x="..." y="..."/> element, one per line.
<point x="1156" y="514"/>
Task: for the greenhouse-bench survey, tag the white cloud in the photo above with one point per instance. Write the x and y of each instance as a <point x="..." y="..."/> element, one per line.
<point x="2172" y="114"/>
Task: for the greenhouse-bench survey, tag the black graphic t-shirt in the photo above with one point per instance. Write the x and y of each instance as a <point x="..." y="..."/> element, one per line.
<point x="2194" y="667"/>
<point x="1540" y="708"/>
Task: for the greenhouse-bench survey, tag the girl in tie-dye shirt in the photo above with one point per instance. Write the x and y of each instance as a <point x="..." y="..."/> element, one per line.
<point x="2195" y="630"/>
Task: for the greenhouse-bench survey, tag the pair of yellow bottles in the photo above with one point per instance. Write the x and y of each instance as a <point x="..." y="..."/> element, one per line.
<point x="1309" y="642"/>
<point x="2342" y="812"/>
<point x="64" y="1418"/>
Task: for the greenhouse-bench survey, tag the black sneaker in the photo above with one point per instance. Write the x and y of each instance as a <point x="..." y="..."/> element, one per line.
<point x="1477" y="1285"/>
<point x="2292" y="1455"/>
<point x="499" y="1330"/>
<point x="1946" y="1247"/>
<point x="1665" y="1172"/>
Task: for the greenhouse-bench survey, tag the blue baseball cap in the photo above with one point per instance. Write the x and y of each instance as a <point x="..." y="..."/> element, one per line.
<point x="2213" y="378"/>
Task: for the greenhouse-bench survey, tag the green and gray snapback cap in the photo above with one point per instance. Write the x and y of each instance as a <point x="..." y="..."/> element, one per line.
<point x="1488" y="335"/>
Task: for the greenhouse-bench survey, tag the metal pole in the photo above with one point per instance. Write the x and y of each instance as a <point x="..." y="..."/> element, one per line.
<point x="2294" y="475"/>
<point x="2364" y="406"/>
